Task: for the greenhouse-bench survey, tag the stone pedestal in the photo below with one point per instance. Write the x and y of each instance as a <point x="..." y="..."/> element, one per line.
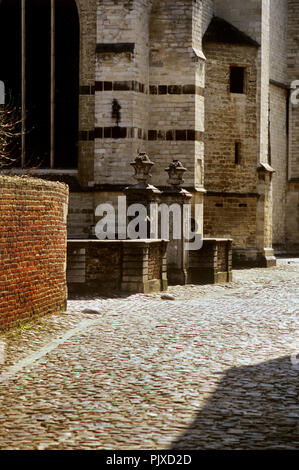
<point x="113" y="266"/>
<point x="142" y="192"/>
<point x="265" y="255"/>
<point x="177" y="255"/>
<point x="212" y="264"/>
<point x="144" y="266"/>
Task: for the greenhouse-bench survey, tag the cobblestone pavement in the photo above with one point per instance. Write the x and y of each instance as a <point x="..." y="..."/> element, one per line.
<point x="213" y="369"/>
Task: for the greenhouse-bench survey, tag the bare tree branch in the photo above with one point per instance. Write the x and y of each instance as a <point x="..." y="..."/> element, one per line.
<point x="10" y="125"/>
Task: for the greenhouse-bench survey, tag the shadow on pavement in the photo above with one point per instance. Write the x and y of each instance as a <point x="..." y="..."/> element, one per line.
<point x="254" y="407"/>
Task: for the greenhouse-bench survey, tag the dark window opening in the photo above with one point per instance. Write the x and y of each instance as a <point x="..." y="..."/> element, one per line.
<point x="237" y="153"/>
<point x="10" y="67"/>
<point x="237" y="79"/>
<point x="37" y="144"/>
<point x="67" y="84"/>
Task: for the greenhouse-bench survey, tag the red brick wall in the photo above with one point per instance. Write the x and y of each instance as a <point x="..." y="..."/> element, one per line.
<point x="32" y="248"/>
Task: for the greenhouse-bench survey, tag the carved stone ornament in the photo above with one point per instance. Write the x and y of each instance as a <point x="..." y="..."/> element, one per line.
<point x="142" y="166"/>
<point x="175" y="173"/>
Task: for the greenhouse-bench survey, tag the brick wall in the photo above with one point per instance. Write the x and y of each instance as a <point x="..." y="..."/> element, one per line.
<point x="32" y="248"/>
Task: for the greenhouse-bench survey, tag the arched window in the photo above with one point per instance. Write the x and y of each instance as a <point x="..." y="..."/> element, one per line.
<point x="39" y="50"/>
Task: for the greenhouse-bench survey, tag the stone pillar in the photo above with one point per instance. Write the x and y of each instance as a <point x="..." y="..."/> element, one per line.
<point x="142" y="192"/>
<point x="265" y="253"/>
<point x="177" y="255"/>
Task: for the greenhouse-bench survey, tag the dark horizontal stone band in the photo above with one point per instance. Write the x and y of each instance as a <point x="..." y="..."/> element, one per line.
<point x="132" y="85"/>
<point x="176" y="134"/>
<point x="137" y="133"/>
<point x="116" y="48"/>
<point x="231" y="195"/>
<point x="86" y="90"/>
<point x="176" y="90"/>
<point x="120" y="133"/>
<point x="113" y="133"/>
<point x="86" y="135"/>
<point x="124" y="85"/>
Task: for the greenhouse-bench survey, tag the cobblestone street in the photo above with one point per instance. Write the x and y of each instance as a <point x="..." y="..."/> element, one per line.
<point x="213" y="369"/>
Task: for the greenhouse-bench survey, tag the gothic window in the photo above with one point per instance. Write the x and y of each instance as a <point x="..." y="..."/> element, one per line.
<point x="39" y="45"/>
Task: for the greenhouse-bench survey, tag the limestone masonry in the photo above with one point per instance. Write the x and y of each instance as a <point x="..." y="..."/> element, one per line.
<point x="204" y="82"/>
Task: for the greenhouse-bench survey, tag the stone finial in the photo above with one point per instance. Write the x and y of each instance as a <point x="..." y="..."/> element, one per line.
<point x="175" y="173"/>
<point x="142" y="166"/>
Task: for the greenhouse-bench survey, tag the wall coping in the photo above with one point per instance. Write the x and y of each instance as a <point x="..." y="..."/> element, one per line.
<point x="40" y="171"/>
<point x="33" y="183"/>
<point x="132" y="242"/>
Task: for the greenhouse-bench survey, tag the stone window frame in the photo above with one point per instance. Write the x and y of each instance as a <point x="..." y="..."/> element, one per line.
<point x="245" y="79"/>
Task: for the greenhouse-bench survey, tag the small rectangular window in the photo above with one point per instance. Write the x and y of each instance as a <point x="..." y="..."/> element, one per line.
<point x="237" y="75"/>
<point x="237" y="153"/>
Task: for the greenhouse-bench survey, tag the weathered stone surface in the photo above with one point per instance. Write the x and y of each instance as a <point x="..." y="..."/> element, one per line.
<point x="106" y="266"/>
